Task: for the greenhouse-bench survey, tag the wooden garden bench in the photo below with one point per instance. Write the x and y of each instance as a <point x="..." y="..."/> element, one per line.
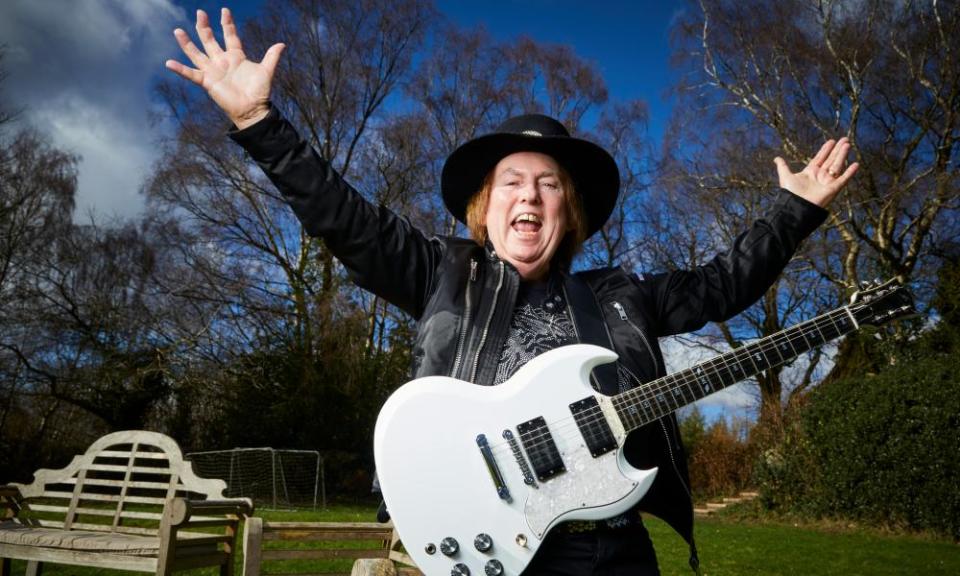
<point x="130" y="502"/>
<point x="371" y="546"/>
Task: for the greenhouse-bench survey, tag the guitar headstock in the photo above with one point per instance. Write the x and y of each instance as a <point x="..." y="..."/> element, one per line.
<point x="878" y="303"/>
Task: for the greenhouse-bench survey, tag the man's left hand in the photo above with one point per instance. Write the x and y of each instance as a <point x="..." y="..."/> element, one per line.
<point x="823" y="177"/>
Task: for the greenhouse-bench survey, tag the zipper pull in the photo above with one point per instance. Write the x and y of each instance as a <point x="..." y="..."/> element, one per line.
<point x="621" y="311"/>
<point x="473" y="270"/>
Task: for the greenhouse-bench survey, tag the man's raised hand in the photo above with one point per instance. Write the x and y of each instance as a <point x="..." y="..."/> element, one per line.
<point x="823" y="177"/>
<point x="239" y="86"/>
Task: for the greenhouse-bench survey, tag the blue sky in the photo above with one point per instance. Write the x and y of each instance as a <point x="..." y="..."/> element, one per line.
<point x="629" y="41"/>
<point x="86" y="80"/>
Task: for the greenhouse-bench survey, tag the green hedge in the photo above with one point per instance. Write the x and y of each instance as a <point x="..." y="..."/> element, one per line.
<point x="888" y="446"/>
<point x="881" y="448"/>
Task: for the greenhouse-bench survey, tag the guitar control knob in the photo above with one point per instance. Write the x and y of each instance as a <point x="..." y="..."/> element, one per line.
<point x="483" y="542"/>
<point x="493" y="568"/>
<point x="449" y="546"/>
<point x="460" y="570"/>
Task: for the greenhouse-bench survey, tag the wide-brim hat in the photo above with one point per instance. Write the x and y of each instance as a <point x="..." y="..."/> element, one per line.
<point x="594" y="172"/>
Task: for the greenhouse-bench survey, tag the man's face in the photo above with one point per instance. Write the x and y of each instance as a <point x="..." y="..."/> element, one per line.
<point x="526" y="216"/>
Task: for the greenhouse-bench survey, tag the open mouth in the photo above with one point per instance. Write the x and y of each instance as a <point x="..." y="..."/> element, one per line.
<point x="527" y="223"/>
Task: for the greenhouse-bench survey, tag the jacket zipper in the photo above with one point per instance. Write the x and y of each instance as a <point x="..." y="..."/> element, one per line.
<point x="673" y="461"/>
<point x="576" y="332"/>
<point x="623" y="316"/>
<point x="466" y="319"/>
<point x="486" y="327"/>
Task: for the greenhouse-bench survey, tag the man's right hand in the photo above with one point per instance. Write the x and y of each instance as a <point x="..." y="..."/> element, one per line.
<point x="240" y="87"/>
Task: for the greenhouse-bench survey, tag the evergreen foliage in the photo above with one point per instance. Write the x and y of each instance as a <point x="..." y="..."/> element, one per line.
<point x="880" y="447"/>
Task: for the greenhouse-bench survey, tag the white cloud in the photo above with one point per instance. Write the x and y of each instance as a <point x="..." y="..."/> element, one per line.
<point x="82" y="73"/>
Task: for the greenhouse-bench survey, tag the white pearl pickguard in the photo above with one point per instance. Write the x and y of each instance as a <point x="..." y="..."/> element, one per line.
<point x="436" y="482"/>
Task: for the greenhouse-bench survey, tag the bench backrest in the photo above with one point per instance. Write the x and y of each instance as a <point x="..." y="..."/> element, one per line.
<point x="121" y="484"/>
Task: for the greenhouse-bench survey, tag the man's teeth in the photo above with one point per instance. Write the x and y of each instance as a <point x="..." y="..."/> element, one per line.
<point x="528" y="218"/>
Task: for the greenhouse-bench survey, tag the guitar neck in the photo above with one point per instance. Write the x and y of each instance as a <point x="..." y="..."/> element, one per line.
<point x="653" y="400"/>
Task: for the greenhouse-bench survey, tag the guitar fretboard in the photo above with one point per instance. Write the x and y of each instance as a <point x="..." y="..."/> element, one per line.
<point x="653" y="400"/>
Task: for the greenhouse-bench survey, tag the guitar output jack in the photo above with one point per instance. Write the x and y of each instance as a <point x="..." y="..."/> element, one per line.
<point x="430" y="548"/>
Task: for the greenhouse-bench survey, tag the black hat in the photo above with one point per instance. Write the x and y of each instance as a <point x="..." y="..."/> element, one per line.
<point x="594" y="172"/>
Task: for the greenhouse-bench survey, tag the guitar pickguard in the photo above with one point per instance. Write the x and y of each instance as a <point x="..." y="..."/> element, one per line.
<point x="590" y="489"/>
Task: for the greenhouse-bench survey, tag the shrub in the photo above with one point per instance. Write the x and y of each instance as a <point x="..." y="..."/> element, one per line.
<point x="719" y="456"/>
<point x="887" y="445"/>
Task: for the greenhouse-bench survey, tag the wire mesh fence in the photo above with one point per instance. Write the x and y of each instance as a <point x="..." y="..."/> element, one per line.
<point x="273" y="478"/>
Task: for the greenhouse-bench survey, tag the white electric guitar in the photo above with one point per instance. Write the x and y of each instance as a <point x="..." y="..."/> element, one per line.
<point x="475" y="477"/>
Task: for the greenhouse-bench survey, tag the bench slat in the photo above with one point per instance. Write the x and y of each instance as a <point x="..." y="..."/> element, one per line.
<point x="124" y="529"/>
<point x="83" y="511"/>
<point x="313" y="535"/>
<point x="115" y="498"/>
<point x="123" y="468"/>
<point x="48" y="508"/>
<point x="125" y="454"/>
<point x="95" y="559"/>
<point x="118" y="483"/>
<point x="324" y="554"/>
<point x="271" y="525"/>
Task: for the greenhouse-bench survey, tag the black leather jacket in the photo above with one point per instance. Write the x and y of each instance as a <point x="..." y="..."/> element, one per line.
<point x="462" y="295"/>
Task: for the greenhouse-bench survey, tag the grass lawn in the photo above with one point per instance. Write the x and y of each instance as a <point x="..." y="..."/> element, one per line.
<point x="731" y="546"/>
<point x="727" y="544"/>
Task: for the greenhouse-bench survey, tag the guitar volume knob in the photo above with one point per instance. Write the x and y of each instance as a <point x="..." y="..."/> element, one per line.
<point x="449" y="546"/>
<point x="493" y="568"/>
<point x="483" y="542"/>
<point x="460" y="570"/>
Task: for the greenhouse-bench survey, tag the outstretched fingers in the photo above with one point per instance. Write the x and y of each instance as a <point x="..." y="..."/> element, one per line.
<point x="842" y="179"/>
<point x="198" y="58"/>
<point x="834" y="165"/>
<point x="822" y="155"/>
<point x="191" y="74"/>
<point x="272" y="58"/>
<point x="205" y="32"/>
<point x="230" y="38"/>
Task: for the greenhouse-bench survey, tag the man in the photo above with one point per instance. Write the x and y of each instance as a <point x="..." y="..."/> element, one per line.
<point x="530" y="195"/>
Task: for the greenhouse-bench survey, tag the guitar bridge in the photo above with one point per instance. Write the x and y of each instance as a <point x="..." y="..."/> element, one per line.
<point x="519" y="457"/>
<point x="502" y="491"/>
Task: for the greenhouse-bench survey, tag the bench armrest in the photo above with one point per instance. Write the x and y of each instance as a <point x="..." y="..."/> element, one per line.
<point x="182" y="509"/>
<point x="9" y="490"/>
<point x="10" y="499"/>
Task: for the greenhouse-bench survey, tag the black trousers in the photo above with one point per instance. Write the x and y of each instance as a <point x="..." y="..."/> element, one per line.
<point x="625" y="551"/>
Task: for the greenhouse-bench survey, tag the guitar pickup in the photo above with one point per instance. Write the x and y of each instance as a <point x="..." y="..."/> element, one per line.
<point x="541" y="449"/>
<point x="593" y="426"/>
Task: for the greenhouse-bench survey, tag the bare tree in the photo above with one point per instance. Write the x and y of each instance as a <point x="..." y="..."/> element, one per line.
<point x="621" y="130"/>
<point x="346" y="59"/>
<point x="883" y="72"/>
<point x="37" y="187"/>
<point x="761" y="80"/>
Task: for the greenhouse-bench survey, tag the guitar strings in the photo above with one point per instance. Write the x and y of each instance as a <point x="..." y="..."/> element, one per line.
<point x="655" y="392"/>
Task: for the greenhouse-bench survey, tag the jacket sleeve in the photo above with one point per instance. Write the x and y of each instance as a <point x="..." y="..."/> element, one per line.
<point x="684" y="301"/>
<point x="383" y="252"/>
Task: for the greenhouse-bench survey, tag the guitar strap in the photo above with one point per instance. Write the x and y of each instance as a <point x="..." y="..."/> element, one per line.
<point x="588" y="319"/>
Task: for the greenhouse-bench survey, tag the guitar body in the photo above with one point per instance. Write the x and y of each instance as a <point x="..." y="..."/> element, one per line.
<point x="503" y="465"/>
<point x="439" y="482"/>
